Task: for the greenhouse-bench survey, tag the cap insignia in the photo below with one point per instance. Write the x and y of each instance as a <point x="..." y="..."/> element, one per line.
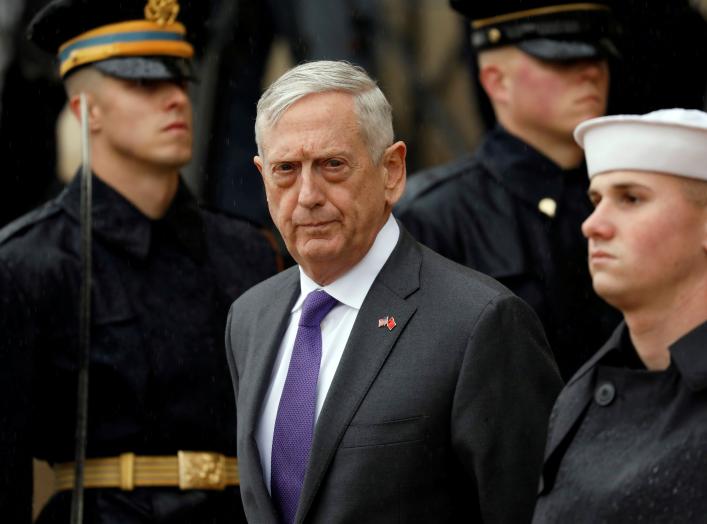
<point x="162" y="12"/>
<point x="494" y="35"/>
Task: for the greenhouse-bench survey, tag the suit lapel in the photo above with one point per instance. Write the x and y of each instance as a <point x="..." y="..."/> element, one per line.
<point x="271" y="326"/>
<point x="574" y="398"/>
<point x="366" y="351"/>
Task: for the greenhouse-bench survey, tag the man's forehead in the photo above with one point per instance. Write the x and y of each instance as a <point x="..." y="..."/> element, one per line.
<point x="630" y="178"/>
<point x="315" y="127"/>
<point x="338" y="103"/>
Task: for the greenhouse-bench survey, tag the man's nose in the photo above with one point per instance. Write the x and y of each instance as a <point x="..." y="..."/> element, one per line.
<point x="310" y="192"/>
<point x="592" y="68"/>
<point x="597" y="225"/>
<point x="175" y="95"/>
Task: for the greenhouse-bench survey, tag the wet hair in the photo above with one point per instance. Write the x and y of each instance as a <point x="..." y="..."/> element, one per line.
<point x="373" y="111"/>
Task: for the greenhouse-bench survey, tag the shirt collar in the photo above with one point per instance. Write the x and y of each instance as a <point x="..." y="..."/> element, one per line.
<point x="687" y="354"/>
<point x="118" y="221"/>
<point x="351" y="288"/>
<point x="524" y="171"/>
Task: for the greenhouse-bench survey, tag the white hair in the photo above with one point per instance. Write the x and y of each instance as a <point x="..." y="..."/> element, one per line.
<point x="373" y="111"/>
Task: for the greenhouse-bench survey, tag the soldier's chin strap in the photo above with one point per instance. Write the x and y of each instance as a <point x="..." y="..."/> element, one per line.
<point x="84" y="318"/>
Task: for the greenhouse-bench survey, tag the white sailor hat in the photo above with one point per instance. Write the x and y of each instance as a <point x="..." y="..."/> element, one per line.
<point x="672" y="141"/>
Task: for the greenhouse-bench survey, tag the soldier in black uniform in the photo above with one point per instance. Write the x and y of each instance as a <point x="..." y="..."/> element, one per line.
<point x="513" y="210"/>
<point x="161" y="415"/>
<point x="628" y="434"/>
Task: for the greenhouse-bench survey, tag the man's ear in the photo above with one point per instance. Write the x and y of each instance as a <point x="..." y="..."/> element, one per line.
<point x="258" y="161"/>
<point x="494" y="80"/>
<point x="94" y="111"/>
<point x="393" y="163"/>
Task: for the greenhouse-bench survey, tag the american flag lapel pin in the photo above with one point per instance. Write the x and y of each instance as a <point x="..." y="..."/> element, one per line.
<point x="388" y="322"/>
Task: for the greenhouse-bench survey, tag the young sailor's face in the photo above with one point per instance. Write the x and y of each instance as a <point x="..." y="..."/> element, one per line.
<point x="647" y="240"/>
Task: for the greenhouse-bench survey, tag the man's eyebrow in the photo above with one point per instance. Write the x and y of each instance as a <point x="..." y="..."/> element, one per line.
<point x="627" y="185"/>
<point x="617" y="187"/>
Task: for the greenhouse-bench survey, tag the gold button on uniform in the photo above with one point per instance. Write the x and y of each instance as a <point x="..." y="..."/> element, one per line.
<point x="548" y="206"/>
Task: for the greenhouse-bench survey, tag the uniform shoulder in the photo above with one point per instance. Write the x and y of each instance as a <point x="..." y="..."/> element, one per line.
<point x="231" y="232"/>
<point x="35" y="250"/>
<point x="241" y="243"/>
<point x="21" y="226"/>
<point x="460" y="281"/>
<point x="229" y="224"/>
<point x="438" y="179"/>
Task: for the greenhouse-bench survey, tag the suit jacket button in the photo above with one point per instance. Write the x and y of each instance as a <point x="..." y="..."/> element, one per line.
<point x="605" y="393"/>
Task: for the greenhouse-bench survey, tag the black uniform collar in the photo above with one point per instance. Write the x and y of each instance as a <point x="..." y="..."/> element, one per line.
<point x="687" y="355"/>
<point x="690" y="357"/>
<point x="118" y="221"/>
<point x="524" y="171"/>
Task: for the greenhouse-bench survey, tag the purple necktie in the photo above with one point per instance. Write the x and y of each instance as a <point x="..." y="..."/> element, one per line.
<point x="294" y="424"/>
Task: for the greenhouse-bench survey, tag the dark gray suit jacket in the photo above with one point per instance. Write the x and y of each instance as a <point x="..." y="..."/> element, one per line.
<point x="442" y="419"/>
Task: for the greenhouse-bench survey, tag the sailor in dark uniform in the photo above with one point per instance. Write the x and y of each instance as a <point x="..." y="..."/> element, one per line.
<point x="628" y="434"/>
<point x="513" y="209"/>
<point x="161" y="440"/>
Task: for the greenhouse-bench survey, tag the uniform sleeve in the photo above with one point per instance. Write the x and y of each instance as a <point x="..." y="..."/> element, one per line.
<point x="15" y="403"/>
<point x="507" y="385"/>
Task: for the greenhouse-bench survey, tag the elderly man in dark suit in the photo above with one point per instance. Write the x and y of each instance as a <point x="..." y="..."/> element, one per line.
<point x="377" y="381"/>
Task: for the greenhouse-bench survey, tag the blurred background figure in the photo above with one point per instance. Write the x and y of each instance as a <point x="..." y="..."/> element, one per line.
<point x="234" y="66"/>
<point x="31" y="97"/>
<point x="664" y="56"/>
<point x="628" y="433"/>
<point x="513" y="210"/>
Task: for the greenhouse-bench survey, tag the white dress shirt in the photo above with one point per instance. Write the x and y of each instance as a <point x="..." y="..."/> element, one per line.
<point x="350" y="290"/>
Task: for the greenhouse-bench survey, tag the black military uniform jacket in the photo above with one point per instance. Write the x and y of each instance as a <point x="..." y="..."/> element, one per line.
<point x="512" y="213"/>
<point x="630" y="445"/>
<point x="161" y="292"/>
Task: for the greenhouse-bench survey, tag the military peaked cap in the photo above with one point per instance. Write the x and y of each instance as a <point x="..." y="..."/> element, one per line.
<point x="132" y="39"/>
<point x="545" y="29"/>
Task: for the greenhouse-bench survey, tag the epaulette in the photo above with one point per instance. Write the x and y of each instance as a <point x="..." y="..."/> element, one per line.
<point x="424" y="181"/>
<point x="27" y="220"/>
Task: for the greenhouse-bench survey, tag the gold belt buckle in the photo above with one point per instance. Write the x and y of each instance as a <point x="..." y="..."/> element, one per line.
<point x="201" y="470"/>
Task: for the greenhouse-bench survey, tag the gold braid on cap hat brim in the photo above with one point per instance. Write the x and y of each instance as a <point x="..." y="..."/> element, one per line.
<point x="538" y="11"/>
<point x="158" y="35"/>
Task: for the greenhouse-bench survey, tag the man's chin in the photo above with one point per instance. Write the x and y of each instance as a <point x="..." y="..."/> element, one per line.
<point x="611" y="291"/>
<point x="319" y="250"/>
<point x="176" y="161"/>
